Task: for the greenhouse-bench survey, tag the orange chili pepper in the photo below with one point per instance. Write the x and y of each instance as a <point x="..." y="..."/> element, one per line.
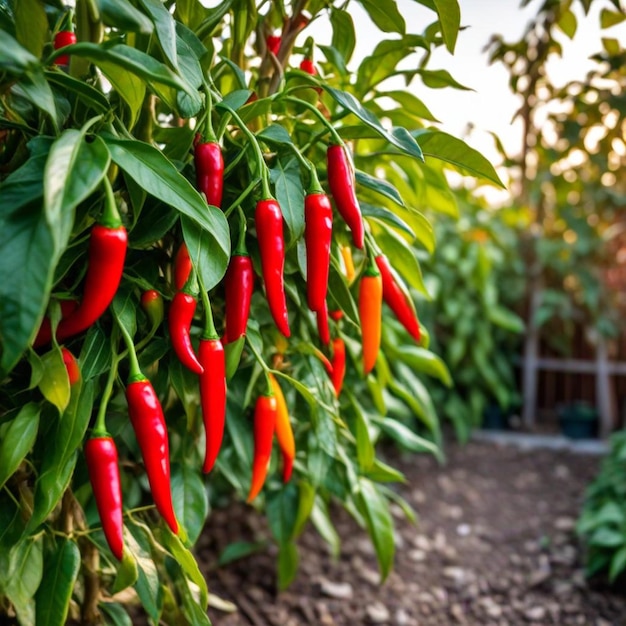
<point x="370" y="314"/>
<point x="346" y="255"/>
<point x="264" y="425"/>
<point x="284" y="432"/>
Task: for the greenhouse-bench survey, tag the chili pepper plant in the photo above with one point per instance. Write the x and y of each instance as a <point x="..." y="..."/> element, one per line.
<point x="200" y="224"/>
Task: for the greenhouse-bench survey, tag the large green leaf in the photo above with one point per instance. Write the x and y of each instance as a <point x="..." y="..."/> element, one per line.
<point x="406" y="437"/>
<point x="344" y="36"/>
<point x="31" y="25"/>
<point x="60" y="573"/>
<point x="450" y="18"/>
<point x="123" y="15"/>
<point x="440" y="145"/>
<point x="290" y="194"/>
<point x="385" y="14"/>
<point x="398" y="137"/>
<point x="14" y="58"/>
<point x="190" y="497"/>
<point x="165" y="27"/>
<point x="16" y="439"/>
<point x="34" y="87"/>
<point x="24" y="577"/>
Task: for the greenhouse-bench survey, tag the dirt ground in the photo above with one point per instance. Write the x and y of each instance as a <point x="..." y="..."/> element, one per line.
<point x="495" y="546"/>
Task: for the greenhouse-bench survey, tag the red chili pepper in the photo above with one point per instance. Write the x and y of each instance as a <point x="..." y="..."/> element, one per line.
<point x="273" y="43"/>
<point x="61" y="39"/>
<point x="284" y="432"/>
<point x="269" y="228"/>
<point x="307" y="65"/>
<point x="397" y="300"/>
<point x="209" y="170"/>
<point x="239" y="283"/>
<point x="180" y="317"/>
<point x="324" y="360"/>
<point x="341" y="181"/>
<point x="71" y="365"/>
<point x="152" y="304"/>
<point x="322" y="324"/>
<point x="318" y="219"/>
<point x="264" y="425"/>
<point x="182" y="266"/>
<point x="212" y="397"/>
<point x="336" y="315"/>
<point x="104" y="474"/>
<point x="146" y="416"/>
<point x="339" y="364"/>
<point x="370" y="314"/>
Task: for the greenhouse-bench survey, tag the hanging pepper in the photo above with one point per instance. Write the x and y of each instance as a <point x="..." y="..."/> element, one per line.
<point x="65" y="37"/>
<point x="269" y="228"/>
<point x="212" y="386"/>
<point x="348" y="262"/>
<point x="104" y="475"/>
<point x="107" y="250"/>
<point x="264" y="424"/>
<point x="336" y="315"/>
<point x="146" y="416"/>
<point x="318" y="230"/>
<point x="307" y="65"/>
<point x="284" y="432"/>
<point x="273" y="43"/>
<point x="209" y="169"/>
<point x="238" y="284"/>
<point x="397" y="300"/>
<point x="322" y="324"/>
<point x="180" y="317"/>
<point x="182" y="267"/>
<point x="152" y="304"/>
<point x="370" y="315"/>
<point x="341" y="181"/>
<point x="339" y="364"/>
<point x="71" y="365"/>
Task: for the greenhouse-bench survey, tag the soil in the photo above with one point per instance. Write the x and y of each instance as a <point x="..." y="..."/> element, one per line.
<point x="495" y="546"/>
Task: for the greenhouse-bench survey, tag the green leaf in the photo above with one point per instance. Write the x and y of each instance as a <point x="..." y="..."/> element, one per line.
<point x="406" y="437"/>
<point x="385" y="14"/>
<point x="611" y="18"/>
<point x="191" y="500"/>
<point x="449" y="14"/>
<point x="568" y="23"/>
<point x="305" y="506"/>
<point x="124" y="16"/>
<point x="157" y="175"/>
<point x="87" y="94"/>
<point x="16" y="440"/>
<point x="74" y="168"/>
<point x="54" y="383"/>
<point x="618" y="564"/>
<point x="14" y="58"/>
<point x="344" y="36"/>
<point x="234" y="100"/>
<point x="375" y="511"/>
<point x="233" y="352"/>
<point x="425" y="362"/>
<point x="138" y="542"/>
<point x="24" y="576"/>
<point x="60" y="573"/>
<point x="34" y="87"/>
<point x="364" y="447"/>
<point x="324" y="526"/>
<point x="281" y="508"/>
<point x="123" y="307"/>
<point x="114" y="614"/>
<point x="127" y="571"/>
<point x="380" y="186"/>
<point x="165" y="28"/>
<point x="31" y="25"/>
<point x="240" y="550"/>
<point x="275" y="133"/>
<point x="605" y="537"/>
<point x="504" y="318"/>
<point x="290" y="194"/>
<point x="438" y="79"/>
<point x="455" y="151"/>
<point x="188" y="563"/>
<point x="130" y="88"/>
<point x="210" y="257"/>
<point x="398" y="137"/>
<point x="411" y="103"/>
<point x="287" y="564"/>
<point x="380" y="472"/>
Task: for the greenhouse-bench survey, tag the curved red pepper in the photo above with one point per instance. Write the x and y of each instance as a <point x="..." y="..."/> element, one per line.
<point x="341" y="182"/>
<point x="71" y="365"/>
<point x="284" y="432"/>
<point x="318" y="220"/>
<point x="322" y="324"/>
<point x="180" y="317"/>
<point x="146" y="416"/>
<point x="269" y="228"/>
<point x="104" y="475"/>
<point x="238" y="283"/>
<point x="307" y="65"/>
<point x="61" y="39"/>
<point x="370" y="315"/>
<point x="182" y="266"/>
<point x="264" y="425"/>
<point x="212" y="397"/>
<point x="397" y="300"/>
<point x="209" y="170"/>
<point x="339" y="364"/>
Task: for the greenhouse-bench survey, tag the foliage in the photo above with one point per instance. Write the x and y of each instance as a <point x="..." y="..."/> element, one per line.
<point x="568" y="171"/>
<point x="602" y="523"/>
<point x="143" y="78"/>
<point x="476" y="277"/>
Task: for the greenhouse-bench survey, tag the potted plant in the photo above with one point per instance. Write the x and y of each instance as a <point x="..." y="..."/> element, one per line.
<point x="578" y="420"/>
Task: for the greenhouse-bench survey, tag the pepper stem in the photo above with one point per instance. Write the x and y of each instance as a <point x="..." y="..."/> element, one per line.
<point x="242" y="196"/>
<point x="314" y="185"/>
<point x="135" y="373"/>
<point x="99" y="429"/>
<point x="110" y="216"/>
<point x="240" y="248"/>
<point x="209" y="325"/>
<point x="335" y="135"/>
<point x="209" y="133"/>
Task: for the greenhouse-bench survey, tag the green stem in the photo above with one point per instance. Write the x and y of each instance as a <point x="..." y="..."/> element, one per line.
<point x="240" y="155"/>
<point x="110" y="216"/>
<point x="209" y="325"/>
<point x="314" y="185"/>
<point x="242" y="196"/>
<point x="262" y="363"/>
<point x="99" y="429"/>
<point x="135" y="373"/>
<point x="319" y="115"/>
<point x="208" y="127"/>
<point x="240" y="249"/>
<point x="264" y="173"/>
